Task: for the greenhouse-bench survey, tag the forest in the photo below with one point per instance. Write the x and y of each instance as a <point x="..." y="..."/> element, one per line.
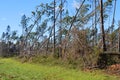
<point x="87" y="40"/>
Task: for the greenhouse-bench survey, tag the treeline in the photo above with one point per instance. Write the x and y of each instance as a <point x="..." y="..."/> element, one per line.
<point x="51" y="30"/>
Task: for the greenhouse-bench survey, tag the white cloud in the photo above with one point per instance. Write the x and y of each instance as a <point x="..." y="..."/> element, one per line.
<point x="75" y="4"/>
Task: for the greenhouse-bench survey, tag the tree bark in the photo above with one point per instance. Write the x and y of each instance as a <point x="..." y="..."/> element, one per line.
<point x="102" y="25"/>
<point x="60" y="32"/>
<point x="119" y="37"/>
<point x="54" y="26"/>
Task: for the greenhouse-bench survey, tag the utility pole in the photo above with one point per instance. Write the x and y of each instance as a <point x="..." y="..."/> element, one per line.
<point x="102" y="25"/>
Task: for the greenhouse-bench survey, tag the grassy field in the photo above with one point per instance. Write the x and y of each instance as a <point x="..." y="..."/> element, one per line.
<point x="11" y="69"/>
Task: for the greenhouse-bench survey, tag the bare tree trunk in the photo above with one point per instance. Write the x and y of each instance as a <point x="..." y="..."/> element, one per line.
<point x="54" y="26"/>
<point x="60" y="33"/>
<point x="113" y="21"/>
<point x="95" y="41"/>
<point x="102" y="25"/>
<point x="93" y="28"/>
<point x="49" y="41"/>
<point x="119" y="37"/>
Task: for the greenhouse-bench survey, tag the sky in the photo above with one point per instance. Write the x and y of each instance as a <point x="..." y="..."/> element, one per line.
<point x="12" y="10"/>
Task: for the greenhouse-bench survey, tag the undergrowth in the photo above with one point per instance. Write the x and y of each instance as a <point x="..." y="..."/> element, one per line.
<point x="11" y="69"/>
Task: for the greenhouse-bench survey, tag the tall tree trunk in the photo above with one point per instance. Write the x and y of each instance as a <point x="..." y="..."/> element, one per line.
<point x="113" y="21"/>
<point x="93" y="27"/>
<point x="60" y="32"/>
<point x="54" y="26"/>
<point x="119" y="37"/>
<point x="95" y="41"/>
<point x="102" y="25"/>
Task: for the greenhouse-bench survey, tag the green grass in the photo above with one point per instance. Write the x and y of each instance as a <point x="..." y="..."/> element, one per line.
<point x="11" y="69"/>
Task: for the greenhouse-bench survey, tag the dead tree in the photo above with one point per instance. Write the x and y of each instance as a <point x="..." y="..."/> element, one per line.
<point x="119" y="37"/>
<point x="102" y="26"/>
<point x="54" y="25"/>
